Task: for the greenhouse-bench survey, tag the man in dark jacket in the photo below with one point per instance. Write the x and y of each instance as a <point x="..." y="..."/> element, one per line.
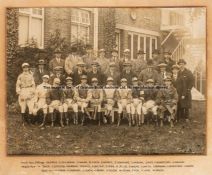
<point x="128" y="73"/>
<point x="186" y="82"/>
<point x="40" y="72"/>
<point x="78" y="73"/>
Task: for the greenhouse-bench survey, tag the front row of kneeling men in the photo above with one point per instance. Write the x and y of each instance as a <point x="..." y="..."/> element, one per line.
<point x="136" y="103"/>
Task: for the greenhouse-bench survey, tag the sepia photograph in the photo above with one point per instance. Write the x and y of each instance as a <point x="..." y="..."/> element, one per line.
<point x="106" y="81"/>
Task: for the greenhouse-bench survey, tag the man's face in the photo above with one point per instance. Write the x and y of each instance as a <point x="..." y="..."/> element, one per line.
<point x="45" y="80"/>
<point x="40" y="66"/>
<point x="150" y="84"/>
<point x="135" y="83"/>
<point x="114" y="54"/>
<point x="102" y="54"/>
<point x="56" y="84"/>
<point x="168" y="83"/>
<point x="124" y="83"/>
<point x="110" y="83"/>
<point x="95" y="83"/>
<point x="58" y="55"/>
<point x="69" y="83"/>
<point x="25" y="69"/>
<point x="58" y="72"/>
<point x="126" y="54"/>
<point x="175" y="71"/>
<point x="83" y="81"/>
<point x="94" y="68"/>
<point x="162" y="69"/>
<point x="182" y="66"/>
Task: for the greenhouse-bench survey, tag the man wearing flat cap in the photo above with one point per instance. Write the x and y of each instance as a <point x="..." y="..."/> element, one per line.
<point x="57" y="73"/>
<point x="56" y="61"/>
<point x="25" y="88"/>
<point x="80" y="70"/>
<point x="112" y="72"/>
<point x="128" y="73"/>
<point x="40" y="71"/>
<point x="148" y="73"/>
<point x="103" y="61"/>
<point x="167" y="102"/>
<point x="167" y="59"/>
<point x="71" y="61"/>
<point x="96" y="73"/>
<point x="185" y="84"/>
<point x="125" y="58"/>
<point x="163" y="73"/>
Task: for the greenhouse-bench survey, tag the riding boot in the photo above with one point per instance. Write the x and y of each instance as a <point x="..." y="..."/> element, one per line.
<point x="75" y="118"/>
<point x="130" y="120"/>
<point x="156" y="119"/>
<point x="52" y="119"/>
<point x="99" y="118"/>
<point x="61" y="119"/>
<point x="44" y="120"/>
<point x="133" y="118"/>
<point x="119" y="119"/>
<point x="171" y="123"/>
<point x="161" y="122"/>
<point x="66" y="118"/>
<point x="138" y="120"/>
<point x="23" y="119"/>
<point x="29" y="119"/>
<point x="83" y="119"/>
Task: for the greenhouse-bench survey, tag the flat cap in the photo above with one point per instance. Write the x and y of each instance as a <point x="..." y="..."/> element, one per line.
<point x="109" y="79"/>
<point x="150" y="81"/>
<point x="94" y="79"/>
<point x="25" y="65"/>
<point x="123" y="80"/>
<point x="68" y="78"/>
<point x="45" y="76"/>
<point x="162" y="65"/>
<point x="126" y="50"/>
<point x="84" y="77"/>
<point x="134" y="79"/>
<point x="58" y="68"/>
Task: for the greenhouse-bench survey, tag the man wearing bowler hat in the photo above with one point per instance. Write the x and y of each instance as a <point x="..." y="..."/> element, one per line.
<point x="57" y="61"/>
<point x="40" y="71"/>
<point x="185" y="84"/>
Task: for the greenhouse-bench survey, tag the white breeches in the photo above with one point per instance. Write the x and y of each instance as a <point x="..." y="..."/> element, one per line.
<point x="82" y="105"/>
<point x="55" y="104"/>
<point x="41" y="104"/>
<point x="123" y="104"/>
<point x="150" y="106"/>
<point x="69" y="104"/>
<point x="136" y="106"/>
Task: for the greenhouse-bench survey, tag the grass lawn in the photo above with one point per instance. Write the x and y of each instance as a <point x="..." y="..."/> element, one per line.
<point x="184" y="138"/>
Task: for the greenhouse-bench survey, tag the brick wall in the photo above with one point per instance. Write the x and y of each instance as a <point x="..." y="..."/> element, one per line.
<point x="146" y="18"/>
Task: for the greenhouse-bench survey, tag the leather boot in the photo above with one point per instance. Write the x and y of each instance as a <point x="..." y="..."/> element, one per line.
<point x="119" y="119"/>
<point x="138" y="120"/>
<point x="99" y="118"/>
<point x="161" y="122"/>
<point x="156" y="120"/>
<point x="52" y="119"/>
<point x="23" y="119"/>
<point x="61" y="119"/>
<point x="83" y="119"/>
<point x="66" y="118"/>
<point x="171" y="123"/>
<point x="133" y="118"/>
<point x="76" y="118"/>
<point x="130" y="120"/>
<point x="44" y="120"/>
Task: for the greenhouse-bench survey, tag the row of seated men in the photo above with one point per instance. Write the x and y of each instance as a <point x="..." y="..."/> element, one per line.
<point x="135" y="102"/>
<point x="101" y="67"/>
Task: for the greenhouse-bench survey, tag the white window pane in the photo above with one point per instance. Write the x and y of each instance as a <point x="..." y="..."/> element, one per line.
<point x="75" y="15"/>
<point x="74" y="35"/>
<point x="36" y="30"/>
<point x="23" y="29"/>
<point x="84" y="34"/>
<point x="27" y="10"/>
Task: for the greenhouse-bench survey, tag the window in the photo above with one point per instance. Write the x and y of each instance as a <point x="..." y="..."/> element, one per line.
<point x="31" y="21"/>
<point x="80" y="25"/>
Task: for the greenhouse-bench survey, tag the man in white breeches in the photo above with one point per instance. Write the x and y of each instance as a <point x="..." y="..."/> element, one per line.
<point x="124" y="100"/>
<point x="40" y="96"/>
<point x="25" y="88"/>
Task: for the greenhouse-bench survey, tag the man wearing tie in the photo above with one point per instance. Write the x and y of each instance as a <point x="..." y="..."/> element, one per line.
<point x="39" y="72"/>
<point x="57" y="61"/>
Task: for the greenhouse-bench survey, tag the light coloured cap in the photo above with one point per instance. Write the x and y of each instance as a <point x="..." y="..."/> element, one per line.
<point x="150" y="81"/>
<point x="94" y="80"/>
<point x="112" y="64"/>
<point x="58" y="68"/>
<point x="56" y="81"/>
<point x="46" y="76"/>
<point x="109" y="79"/>
<point x="134" y="79"/>
<point x="175" y="67"/>
<point x="25" y="65"/>
<point x="84" y="77"/>
<point x="101" y="50"/>
<point x="123" y="80"/>
<point x="162" y="65"/>
<point x="80" y="63"/>
<point x="68" y="78"/>
<point x="126" y="50"/>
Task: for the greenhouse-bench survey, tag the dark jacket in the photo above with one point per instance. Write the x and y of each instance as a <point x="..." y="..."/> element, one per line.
<point x="38" y="75"/>
<point x="99" y="75"/>
<point x="77" y="77"/>
<point x="185" y="82"/>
